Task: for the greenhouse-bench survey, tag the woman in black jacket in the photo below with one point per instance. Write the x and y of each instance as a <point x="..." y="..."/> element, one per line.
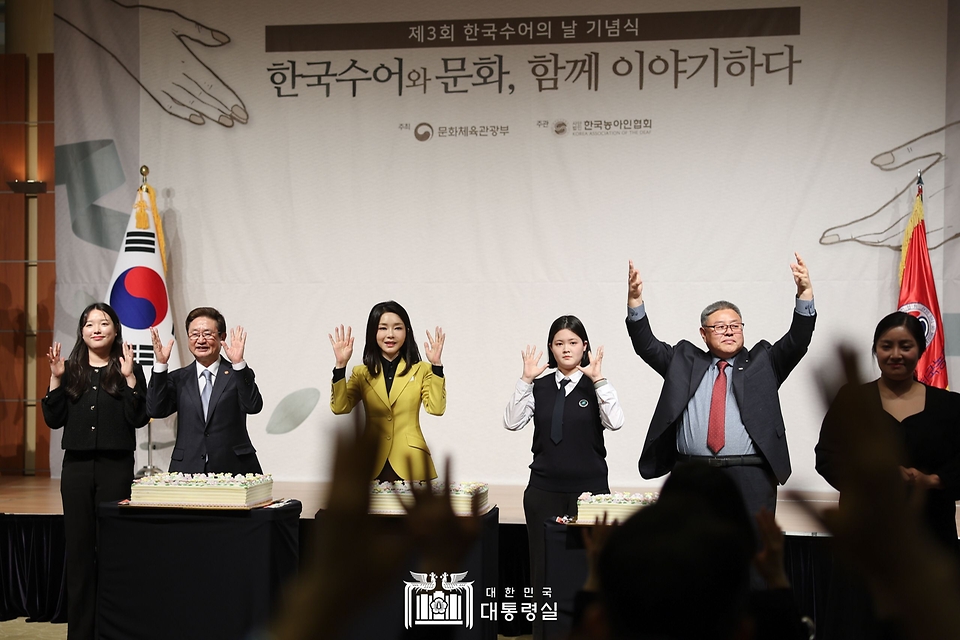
<point x="97" y="396"/>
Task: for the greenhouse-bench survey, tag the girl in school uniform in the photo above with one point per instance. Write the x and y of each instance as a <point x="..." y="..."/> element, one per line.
<point x="392" y="383"/>
<point x="570" y="408"/>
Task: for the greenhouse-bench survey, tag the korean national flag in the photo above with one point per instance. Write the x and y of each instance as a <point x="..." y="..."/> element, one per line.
<point x="138" y="293"/>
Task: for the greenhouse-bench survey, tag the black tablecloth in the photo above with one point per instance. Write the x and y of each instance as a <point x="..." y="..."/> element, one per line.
<point x="383" y="617"/>
<point x="809" y="563"/>
<point x="32" y="568"/>
<point x="564" y="573"/>
<point x="190" y="573"/>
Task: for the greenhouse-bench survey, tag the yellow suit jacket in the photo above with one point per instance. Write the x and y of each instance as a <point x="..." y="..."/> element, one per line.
<point x="395" y="419"/>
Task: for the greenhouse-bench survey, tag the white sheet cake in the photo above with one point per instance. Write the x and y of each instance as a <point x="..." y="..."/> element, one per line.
<point x="214" y="490"/>
<point x="389" y="497"/>
<point x="617" y="506"/>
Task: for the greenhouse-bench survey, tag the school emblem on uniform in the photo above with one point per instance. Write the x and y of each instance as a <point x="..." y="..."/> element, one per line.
<point x="584" y="403"/>
<point x="426" y="604"/>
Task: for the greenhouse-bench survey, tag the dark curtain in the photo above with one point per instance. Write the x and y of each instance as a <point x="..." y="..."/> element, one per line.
<point x="32" y="568"/>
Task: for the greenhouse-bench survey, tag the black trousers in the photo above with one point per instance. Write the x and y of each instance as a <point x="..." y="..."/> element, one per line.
<point x="758" y="486"/>
<point x="88" y="478"/>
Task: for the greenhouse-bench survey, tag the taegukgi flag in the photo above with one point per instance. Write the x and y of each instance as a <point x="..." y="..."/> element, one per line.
<point x="138" y="293"/>
<point x="138" y="288"/>
<point x="918" y="294"/>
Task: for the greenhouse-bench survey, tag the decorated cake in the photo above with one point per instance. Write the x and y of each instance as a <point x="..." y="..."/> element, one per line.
<point x="617" y="506"/>
<point x="213" y="490"/>
<point x="389" y="497"/>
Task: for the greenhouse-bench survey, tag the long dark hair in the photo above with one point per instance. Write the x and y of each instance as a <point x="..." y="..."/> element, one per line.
<point x="573" y="323"/>
<point x="371" y="350"/>
<point x="77" y="369"/>
<point x="900" y="319"/>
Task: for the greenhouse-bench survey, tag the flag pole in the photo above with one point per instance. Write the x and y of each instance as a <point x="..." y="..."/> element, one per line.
<point x="148" y="470"/>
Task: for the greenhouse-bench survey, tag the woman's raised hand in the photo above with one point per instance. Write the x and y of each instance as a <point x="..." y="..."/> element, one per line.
<point x="56" y="361"/>
<point x="434" y="346"/>
<point x="126" y="365"/>
<point x="342" y="342"/>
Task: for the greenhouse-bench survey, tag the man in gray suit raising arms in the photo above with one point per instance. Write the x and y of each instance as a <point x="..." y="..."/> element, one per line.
<point x="211" y="396"/>
<point x="721" y="406"/>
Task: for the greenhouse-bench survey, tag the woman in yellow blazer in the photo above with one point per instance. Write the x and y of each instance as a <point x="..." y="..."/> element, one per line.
<point x="392" y="383"/>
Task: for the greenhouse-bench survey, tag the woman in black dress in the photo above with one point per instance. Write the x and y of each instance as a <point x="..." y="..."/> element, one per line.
<point x="927" y="423"/>
<point x="927" y="420"/>
<point x="97" y="395"/>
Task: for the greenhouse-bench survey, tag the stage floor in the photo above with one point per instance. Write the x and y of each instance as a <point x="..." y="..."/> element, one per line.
<point x="33" y="495"/>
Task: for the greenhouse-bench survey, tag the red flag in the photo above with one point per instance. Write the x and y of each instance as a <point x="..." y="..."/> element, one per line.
<point x="918" y="295"/>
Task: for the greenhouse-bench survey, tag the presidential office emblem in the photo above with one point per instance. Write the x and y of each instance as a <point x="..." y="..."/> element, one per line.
<point x="424" y="603"/>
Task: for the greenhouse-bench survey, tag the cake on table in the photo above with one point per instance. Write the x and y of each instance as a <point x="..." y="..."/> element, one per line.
<point x="211" y="490"/>
<point x="617" y="506"/>
<point x="389" y="497"/>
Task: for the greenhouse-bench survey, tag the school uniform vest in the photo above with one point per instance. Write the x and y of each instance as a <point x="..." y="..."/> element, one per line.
<point x="578" y="462"/>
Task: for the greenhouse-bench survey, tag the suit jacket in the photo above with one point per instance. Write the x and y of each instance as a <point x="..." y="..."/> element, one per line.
<point x="223" y="435"/>
<point x="395" y="420"/>
<point x="758" y="374"/>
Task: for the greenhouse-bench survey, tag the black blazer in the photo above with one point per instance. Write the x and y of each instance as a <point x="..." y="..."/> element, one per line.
<point x="98" y="421"/>
<point x="223" y="435"/>
<point x="759" y="372"/>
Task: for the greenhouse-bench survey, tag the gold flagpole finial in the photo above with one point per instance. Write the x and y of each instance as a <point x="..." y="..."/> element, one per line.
<point x="144" y="171"/>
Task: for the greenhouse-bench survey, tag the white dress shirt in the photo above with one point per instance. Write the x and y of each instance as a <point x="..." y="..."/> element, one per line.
<point x="520" y="408"/>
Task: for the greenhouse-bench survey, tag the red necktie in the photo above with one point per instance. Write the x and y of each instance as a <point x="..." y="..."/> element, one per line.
<point x="718" y="410"/>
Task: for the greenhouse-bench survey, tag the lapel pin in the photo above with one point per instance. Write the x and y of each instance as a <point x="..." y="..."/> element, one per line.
<point x="226" y="373"/>
<point x="584" y="403"/>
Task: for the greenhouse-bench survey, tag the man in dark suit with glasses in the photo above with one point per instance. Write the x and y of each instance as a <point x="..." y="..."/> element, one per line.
<point x="211" y="396"/>
<point x="721" y="406"/>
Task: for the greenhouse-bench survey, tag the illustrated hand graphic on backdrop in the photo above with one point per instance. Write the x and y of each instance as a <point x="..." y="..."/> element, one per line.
<point x="172" y="74"/>
<point x="875" y="230"/>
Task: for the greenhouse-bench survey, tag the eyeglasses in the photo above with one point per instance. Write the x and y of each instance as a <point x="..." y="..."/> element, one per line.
<point x="734" y="327"/>
<point x="196" y="335"/>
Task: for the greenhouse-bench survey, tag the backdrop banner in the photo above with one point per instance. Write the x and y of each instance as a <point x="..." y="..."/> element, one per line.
<point x="492" y="167"/>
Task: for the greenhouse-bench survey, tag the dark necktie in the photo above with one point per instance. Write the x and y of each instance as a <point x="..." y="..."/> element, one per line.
<point x="207" y="391"/>
<point x="718" y="410"/>
<point x="556" y="428"/>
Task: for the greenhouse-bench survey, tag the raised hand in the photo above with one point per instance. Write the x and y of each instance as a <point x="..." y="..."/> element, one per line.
<point x="442" y="537"/>
<point x="161" y="354"/>
<point x="56" y="361"/>
<point x="769" y="560"/>
<point x="126" y="365"/>
<point x="434" y="346"/>
<point x="592" y="370"/>
<point x="634" y="287"/>
<point x="880" y="530"/>
<point x="802" y="277"/>
<point x="234" y="350"/>
<point x="342" y="342"/>
<point x="352" y="558"/>
<point x="531" y="364"/>
<point x="594" y="540"/>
